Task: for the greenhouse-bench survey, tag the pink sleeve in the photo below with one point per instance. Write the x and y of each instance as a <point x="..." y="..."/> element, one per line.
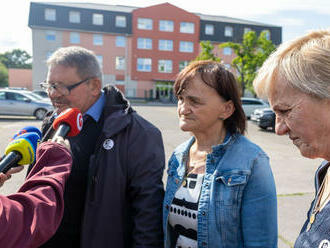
<point x="31" y="216"/>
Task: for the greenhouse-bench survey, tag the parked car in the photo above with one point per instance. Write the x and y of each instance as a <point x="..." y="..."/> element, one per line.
<point x="16" y="88"/>
<point x="251" y="104"/>
<point x="23" y="102"/>
<point x="34" y="95"/>
<point x="264" y="118"/>
<point x="41" y="93"/>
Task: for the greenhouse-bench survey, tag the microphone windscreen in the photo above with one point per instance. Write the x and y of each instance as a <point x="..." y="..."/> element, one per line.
<point x="27" y="129"/>
<point x="73" y="118"/>
<point x="26" y="145"/>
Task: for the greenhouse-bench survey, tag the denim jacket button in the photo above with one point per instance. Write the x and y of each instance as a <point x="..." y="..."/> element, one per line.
<point x="203" y="213"/>
<point x="167" y="207"/>
<point x="176" y="181"/>
<point x="204" y="244"/>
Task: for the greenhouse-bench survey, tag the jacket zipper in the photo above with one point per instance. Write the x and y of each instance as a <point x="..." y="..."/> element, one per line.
<point x="97" y="152"/>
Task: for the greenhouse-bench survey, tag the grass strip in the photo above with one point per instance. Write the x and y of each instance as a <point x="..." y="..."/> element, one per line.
<point x="287" y="242"/>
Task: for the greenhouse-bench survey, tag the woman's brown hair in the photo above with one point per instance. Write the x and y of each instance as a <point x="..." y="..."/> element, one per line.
<point x="223" y="81"/>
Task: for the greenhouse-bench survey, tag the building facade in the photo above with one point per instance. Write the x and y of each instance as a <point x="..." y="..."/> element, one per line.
<point x="20" y="78"/>
<point x="141" y="50"/>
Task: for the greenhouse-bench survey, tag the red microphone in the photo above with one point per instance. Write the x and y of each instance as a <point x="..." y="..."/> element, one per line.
<point x="68" y="123"/>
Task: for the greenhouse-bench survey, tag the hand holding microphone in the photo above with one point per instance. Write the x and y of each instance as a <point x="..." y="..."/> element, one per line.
<point x="15" y="168"/>
<point x="68" y="123"/>
<point x="20" y="151"/>
<point x="5" y="177"/>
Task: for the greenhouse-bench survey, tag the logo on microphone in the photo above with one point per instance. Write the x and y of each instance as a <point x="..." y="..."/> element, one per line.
<point x="108" y="144"/>
<point x="79" y="121"/>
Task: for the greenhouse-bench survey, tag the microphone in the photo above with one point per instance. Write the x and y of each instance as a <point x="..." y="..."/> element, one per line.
<point x="21" y="151"/>
<point x="68" y="123"/>
<point x="27" y="129"/>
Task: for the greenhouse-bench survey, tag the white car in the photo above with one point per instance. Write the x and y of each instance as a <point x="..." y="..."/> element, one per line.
<point x="24" y="103"/>
<point x="251" y="104"/>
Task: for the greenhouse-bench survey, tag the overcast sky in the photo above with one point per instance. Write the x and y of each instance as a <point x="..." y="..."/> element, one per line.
<point x="295" y="16"/>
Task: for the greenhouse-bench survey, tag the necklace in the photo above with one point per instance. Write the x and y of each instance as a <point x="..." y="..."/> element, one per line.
<point x="193" y="163"/>
<point x="196" y="166"/>
<point x="322" y="199"/>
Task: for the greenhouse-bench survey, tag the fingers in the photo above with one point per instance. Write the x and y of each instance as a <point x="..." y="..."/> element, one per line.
<point x="62" y="141"/>
<point x="5" y="177"/>
<point x="14" y="170"/>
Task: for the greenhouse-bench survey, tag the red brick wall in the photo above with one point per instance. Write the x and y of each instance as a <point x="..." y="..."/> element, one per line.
<point x="20" y="78"/>
<point x="164" y="11"/>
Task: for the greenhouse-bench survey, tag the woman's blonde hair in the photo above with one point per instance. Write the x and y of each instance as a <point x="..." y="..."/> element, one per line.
<point x="304" y="63"/>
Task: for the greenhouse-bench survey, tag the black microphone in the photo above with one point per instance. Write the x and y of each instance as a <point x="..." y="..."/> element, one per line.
<point x="20" y="151"/>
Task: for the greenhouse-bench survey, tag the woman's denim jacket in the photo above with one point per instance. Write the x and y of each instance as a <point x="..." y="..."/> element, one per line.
<point x="237" y="206"/>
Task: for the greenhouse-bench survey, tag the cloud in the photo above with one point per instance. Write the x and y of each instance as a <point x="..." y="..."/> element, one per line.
<point x="290" y="22"/>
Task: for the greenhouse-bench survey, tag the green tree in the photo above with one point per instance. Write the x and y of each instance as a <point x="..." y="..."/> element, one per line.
<point x="207" y="52"/>
<point x="250" y="55"/>
<point x="3" y="75"/>
<point x="17" y="58"/>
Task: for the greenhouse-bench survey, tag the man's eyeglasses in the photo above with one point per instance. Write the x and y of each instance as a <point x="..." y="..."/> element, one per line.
<point x="64" y="90"/>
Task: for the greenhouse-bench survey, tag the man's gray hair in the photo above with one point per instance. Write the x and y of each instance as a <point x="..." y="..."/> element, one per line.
<point x="80" y="58"/>
<point x="303" y="63"/>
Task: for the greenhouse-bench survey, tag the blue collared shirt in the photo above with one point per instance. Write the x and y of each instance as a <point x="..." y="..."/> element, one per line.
<point x="95" y="110"/>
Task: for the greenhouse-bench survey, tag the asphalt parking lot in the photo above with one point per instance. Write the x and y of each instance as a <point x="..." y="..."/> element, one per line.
<point x="293" y="174"/>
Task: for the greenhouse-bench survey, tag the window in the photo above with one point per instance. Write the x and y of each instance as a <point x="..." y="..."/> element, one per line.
<point x="228" y="31"/>
<point x="130" y="92"/>
<point x="120" y="63"/>
<point x="16" y="96"/>
<point x="50" y="35"/>
<point x="187" y="27"/>
<point x="50" y="14"/>
<point x="97" y="19"/>
<point x="209" y="29"/>
<point x="186" y="46"/>
<point x="226" y="51"/>
<point x="120" y="41"/>
<point x="166" y="26"/>
<point x="267" y="34"/>
<point x="121" y="21"/>
<point x="74" y="38"/>
<point x="165" y="66"/>
<point x="97" y="39"/>
<point x="246" y="30"/>
<point x="143" y="64"/>
<point x="165" y="45"/>
<point x="74" y="17"/>
<point x="144" y="43"/>
<point x="2" y="95"/>
<point x="144" y="23"/>
<point x="100" y="60"/>
<point x="183" y="64"/>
